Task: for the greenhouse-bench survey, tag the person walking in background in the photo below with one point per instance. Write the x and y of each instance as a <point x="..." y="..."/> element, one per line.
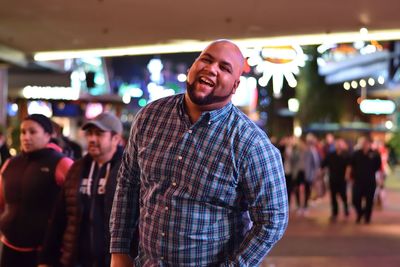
<point x="363" y="167"/>
<point x="302" y="186"/>
<point x="328" y="144"/>
<point x="4" y="151"/>
<point x="69" y="147"/>
<point x="337" y="162"/>
<point x="312" y="171"/>
<point x="30" y="183"/>
<point x="203" y="170"/>
<point x="286" y="148"/>
<point x="78" y="234"/>
<point x="380" y="193"/>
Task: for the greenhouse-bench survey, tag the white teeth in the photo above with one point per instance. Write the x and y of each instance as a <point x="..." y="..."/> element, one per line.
<point x="206" y="81"/>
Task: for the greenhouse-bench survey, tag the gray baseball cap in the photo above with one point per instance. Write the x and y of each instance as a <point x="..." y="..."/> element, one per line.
<point x="105" y="121"/>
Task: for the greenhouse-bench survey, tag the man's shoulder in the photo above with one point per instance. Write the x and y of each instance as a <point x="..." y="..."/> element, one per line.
<point x="159" y="109"/>
<point x="80" y="163"/>
<point x="162" y="103"/>
<point x="250" y="136"/>
<point x="248" y="128"/>
<point x="76" y="170"/>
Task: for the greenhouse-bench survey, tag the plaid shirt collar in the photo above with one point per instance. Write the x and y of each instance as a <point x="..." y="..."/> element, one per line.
<point x="208" y="117"/>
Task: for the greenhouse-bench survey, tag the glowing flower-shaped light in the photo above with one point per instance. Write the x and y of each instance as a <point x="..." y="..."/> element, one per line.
<point x="278" y="62"/>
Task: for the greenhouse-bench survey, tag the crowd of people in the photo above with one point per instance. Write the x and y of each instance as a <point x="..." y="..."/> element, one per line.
<point x="354" y="174"/>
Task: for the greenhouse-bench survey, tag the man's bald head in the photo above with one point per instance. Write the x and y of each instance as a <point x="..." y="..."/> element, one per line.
<point x="233" y="48"/>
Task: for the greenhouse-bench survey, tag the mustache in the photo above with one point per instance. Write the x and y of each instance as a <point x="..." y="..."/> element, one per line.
<point x="92" y="144"/>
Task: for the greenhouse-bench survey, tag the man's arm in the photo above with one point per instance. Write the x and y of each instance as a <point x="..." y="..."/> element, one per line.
<point x="125" y="210"/>
<point x="121" y="260"/>
<point x="50" y="253"/>
<point x="264" y="187"/>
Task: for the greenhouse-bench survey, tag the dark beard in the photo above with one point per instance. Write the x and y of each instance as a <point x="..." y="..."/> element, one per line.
<point x="208" y="99"/>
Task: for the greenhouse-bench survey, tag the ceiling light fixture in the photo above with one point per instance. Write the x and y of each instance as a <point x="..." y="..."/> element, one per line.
<point x="196" y="46"/>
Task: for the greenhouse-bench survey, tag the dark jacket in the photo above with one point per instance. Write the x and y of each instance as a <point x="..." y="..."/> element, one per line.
<point x="364" y="166"/>
<point x="62" y="240"/>
<point x="4" y="154"/>
<point x="30" y="191"/>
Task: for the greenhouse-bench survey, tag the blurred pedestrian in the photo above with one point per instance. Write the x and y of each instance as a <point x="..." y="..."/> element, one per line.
<point x="30" y="183"/>
<point x="337" y="162"/>
<point x="329" y="144"/>
<point x="380" y="193"/>
<point x="69" y="148"/>
<point x="302" y="187"/>
<point x="4" y="150"/>
<point x="364" y="164"/>
<point x="78" y="234"/>
<point x="286" y="148"/>
<point x="312" y="164"/>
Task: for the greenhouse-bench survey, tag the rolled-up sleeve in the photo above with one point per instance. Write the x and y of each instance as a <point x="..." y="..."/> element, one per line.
<point x="125" y="210"/>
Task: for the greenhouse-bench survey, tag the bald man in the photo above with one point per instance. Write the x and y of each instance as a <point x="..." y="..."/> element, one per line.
<point x="212" y="186"/>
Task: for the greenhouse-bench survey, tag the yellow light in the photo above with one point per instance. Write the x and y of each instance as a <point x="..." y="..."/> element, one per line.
<point x="381" y="80"/>
<point x="293" y="105"/>
<point x="346" y="85"/>
<point x="364" y="31"/>
<point x="297" y="131"/>
<point x="181" y="77"/>
<point x="389" y="125"/>
<point x="371" y="81"/>
<point x="196" y="46"/>
<point x="13" y="151"/>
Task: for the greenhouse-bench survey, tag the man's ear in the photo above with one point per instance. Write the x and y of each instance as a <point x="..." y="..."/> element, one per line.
<point x="117" y="138"/>
<point x="235" y="85"/>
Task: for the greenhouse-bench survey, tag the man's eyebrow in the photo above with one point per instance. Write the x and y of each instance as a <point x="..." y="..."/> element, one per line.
<point x="208" y="55"/>
<point x="225" y="63"/>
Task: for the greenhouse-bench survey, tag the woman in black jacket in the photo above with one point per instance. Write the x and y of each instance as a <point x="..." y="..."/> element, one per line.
<point x="30" y="183"/>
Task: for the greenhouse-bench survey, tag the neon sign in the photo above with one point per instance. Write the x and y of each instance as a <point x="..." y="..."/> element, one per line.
<point x="278" y="63"/>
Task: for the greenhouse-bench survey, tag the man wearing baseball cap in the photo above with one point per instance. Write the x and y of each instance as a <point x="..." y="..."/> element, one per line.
<point x="79" y="234"/>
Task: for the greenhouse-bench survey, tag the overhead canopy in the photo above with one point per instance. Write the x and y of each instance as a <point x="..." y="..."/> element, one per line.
<point x="33" y="26"/>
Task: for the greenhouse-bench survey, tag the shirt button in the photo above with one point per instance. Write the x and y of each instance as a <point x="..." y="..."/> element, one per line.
<point x="209" y="123"/>
<point x="174" y="184"/>
<point x="166" y="208"/>
<point x="180" y="157"/>
<point x="163" y="234"/>
<point x="190" y="131"/>
<point x="162" y="258"/>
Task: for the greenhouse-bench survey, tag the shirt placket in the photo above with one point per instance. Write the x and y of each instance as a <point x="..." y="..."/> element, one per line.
<point x="179" y="154"/>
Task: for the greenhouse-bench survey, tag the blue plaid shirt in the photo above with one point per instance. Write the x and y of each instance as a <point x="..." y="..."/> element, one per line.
<point x="202" y="185"/>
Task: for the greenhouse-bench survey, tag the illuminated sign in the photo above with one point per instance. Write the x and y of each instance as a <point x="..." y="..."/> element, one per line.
<point x="279" y="63"/>
<point x="377" y="106"/>
<point x="49" y="92"/>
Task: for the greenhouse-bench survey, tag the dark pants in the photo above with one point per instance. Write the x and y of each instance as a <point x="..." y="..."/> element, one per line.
<point x="338" y="189"/>
<point x="363" y="193"/>
<point x="307" y="189"/>
<point x="13" y="258"/>
<point x="289" y="185"/>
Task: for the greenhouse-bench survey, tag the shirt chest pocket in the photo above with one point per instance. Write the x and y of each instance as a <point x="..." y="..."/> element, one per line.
<point x="154" y="164"/>
<point x="216" y="183"/>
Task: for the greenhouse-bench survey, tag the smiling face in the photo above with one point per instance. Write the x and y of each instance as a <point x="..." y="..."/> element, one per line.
<point x="33" y="136"/>
<point x="214" y="76"/>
